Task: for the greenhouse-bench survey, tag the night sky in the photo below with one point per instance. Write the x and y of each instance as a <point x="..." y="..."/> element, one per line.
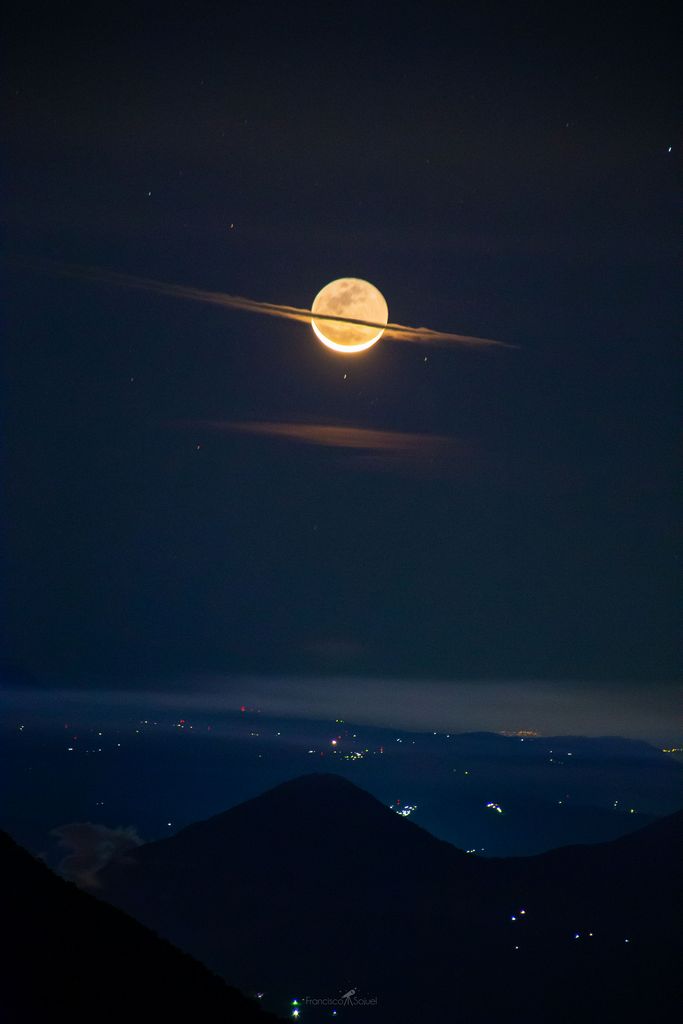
<point x="493" y="514"/>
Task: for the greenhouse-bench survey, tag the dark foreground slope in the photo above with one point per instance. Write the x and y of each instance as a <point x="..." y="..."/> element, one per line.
<point x="66" y="953"/>
<point x="315" y="888"/>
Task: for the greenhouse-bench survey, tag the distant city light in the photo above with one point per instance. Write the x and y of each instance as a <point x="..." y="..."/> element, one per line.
<point x="404" y="811"/>
<point x="493" y="806"/>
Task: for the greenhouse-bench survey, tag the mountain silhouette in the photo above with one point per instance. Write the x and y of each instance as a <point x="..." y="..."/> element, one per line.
<point x="65" y="951"/>
<point x="315" y="887"/>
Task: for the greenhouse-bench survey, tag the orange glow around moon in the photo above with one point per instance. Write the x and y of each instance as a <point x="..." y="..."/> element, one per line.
<point x="353" y="298"/>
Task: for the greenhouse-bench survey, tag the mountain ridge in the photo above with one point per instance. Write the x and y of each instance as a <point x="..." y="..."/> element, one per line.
<point x="315" y="885"/>
<point x="65" y="947"/>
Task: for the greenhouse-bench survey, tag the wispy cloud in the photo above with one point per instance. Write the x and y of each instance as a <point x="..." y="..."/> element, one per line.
<point x="342" y="436"/>
<point x="91" y="847"/>
<point x="365" y="448"/>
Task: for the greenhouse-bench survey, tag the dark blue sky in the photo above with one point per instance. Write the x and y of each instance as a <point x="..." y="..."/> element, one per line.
<point x="505" y="173"/>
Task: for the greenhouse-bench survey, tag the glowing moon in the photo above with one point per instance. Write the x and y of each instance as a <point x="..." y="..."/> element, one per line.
<point x="349" y="297"/>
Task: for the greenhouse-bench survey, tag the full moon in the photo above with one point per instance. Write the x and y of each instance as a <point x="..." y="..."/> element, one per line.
<point x="353" y="298"/>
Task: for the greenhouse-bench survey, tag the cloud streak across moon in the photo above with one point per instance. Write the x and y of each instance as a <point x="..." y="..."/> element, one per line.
<point x="398" y="332"/>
